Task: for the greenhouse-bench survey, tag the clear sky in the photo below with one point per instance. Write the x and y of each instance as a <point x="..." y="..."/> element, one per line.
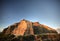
<point x="44" y="11"/>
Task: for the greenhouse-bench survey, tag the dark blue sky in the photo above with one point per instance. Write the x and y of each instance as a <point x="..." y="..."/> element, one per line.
<point x="44" y="11"/>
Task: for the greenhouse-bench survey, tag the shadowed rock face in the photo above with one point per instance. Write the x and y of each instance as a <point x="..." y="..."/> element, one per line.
<point x="25" y="27"/>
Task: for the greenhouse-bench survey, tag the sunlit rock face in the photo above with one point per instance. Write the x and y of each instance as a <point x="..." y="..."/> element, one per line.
<point x="25" y="27"/>
<point x="21" y="28"/>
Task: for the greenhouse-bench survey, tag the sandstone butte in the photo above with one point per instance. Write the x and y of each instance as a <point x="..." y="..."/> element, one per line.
<point x="25" y="27"/>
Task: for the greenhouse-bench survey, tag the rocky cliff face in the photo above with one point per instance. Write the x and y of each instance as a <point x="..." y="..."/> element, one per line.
<point x="21" y="28"/>
<point x="25" y="27"/>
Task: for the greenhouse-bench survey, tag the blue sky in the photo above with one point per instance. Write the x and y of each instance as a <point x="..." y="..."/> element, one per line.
<point x="44" y="11"/>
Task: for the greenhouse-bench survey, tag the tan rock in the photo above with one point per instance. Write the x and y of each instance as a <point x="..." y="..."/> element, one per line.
<point x="25" y="27"/>
<point x="21" y="28"/>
